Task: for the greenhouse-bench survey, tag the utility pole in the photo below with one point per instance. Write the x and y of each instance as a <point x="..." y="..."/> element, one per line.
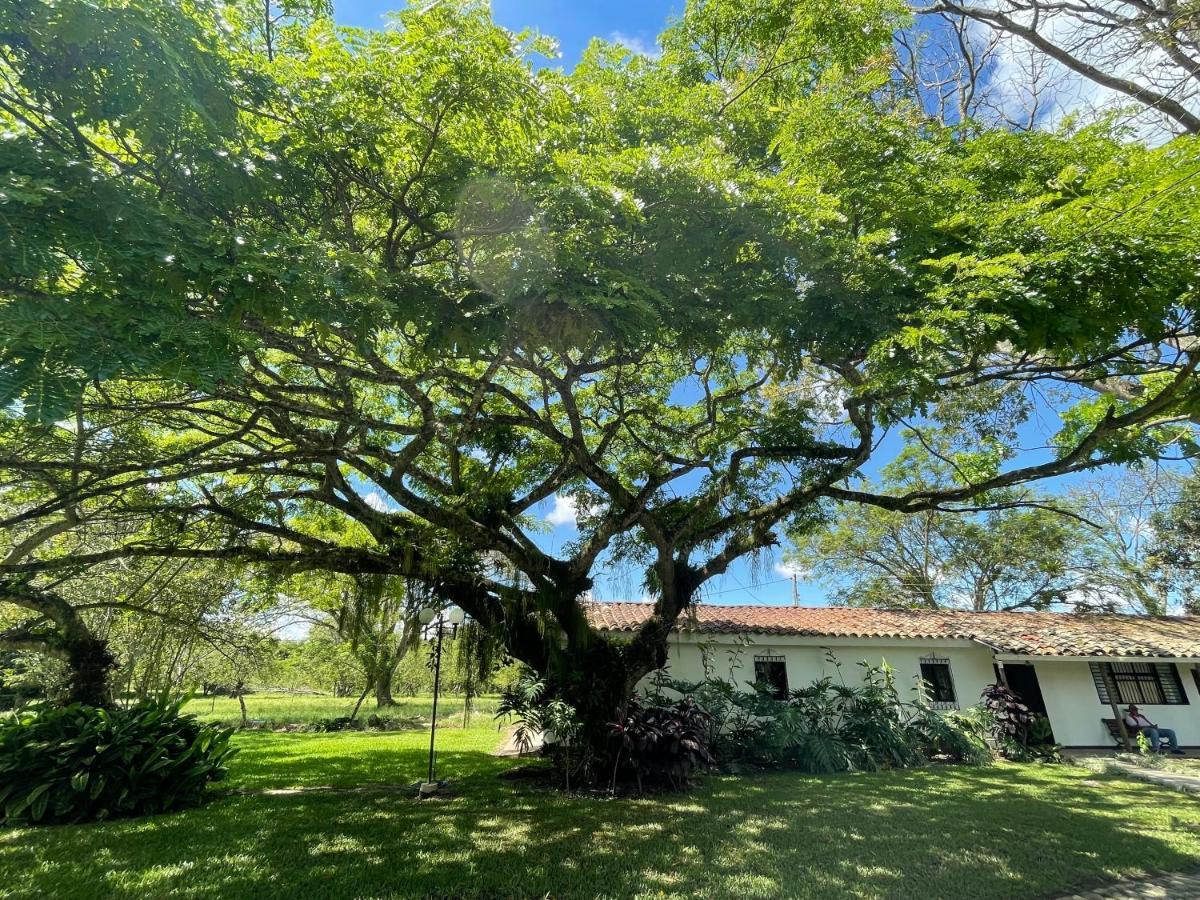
<point x="795" y="589"/>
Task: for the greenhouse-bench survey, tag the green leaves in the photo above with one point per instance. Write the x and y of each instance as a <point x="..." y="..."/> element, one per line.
<point x="80" y="763"/>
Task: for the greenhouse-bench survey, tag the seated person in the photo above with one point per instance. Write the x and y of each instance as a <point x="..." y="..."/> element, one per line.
<point x="1139" y="724"/>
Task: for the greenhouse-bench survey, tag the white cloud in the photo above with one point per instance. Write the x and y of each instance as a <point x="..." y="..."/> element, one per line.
<point x="564" y="512"/>
<point x="378" y="502"/>
<point x="638" y="45"/>
<point x="788" y="568"/>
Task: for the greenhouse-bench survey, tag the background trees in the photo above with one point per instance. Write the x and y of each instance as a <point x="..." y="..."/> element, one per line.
<point x="403" y="288"/>
<point x="375" y="617"/>
<point x="1005" y="559"/>
<point x="1142" y="54"/>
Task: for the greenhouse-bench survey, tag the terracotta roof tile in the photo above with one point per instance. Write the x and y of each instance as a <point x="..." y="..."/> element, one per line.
<point x="1020" y="633"/>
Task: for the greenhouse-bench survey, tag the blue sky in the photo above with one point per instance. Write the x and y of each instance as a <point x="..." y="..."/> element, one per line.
<point x="572" y="22"/>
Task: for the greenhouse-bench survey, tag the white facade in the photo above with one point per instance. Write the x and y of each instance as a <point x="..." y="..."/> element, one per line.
<point x="1075" y="709"/>
<point x="1068" y="689"/>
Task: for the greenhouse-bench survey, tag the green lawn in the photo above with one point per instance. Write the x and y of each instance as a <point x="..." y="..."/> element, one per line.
<point x="298" y="709"/>
<point x="1002" y="831"/>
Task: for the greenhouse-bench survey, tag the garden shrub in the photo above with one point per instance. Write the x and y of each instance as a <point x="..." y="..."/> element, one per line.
<point x="79" y="763"/>
<point x="649" y="745"/>
<point x="373" y="722"/>
<point x="537" y="713"/>
<point x="832" y="726"/>
<point x="955" y="736"/>
<point x="1018" y="733"/>
<point x="660" y="745"/>
<point x="336" y="723"/>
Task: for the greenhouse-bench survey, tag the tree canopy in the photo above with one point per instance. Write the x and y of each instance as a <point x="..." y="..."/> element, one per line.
<point x="363" y="303"/>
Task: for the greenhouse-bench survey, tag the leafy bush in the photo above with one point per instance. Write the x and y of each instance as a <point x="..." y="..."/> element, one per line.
<point x="1012" y="717"/>
<point x="832" y="726"/>
<point x="78" y="763"/>
<point x="373" y="722"/>
<point x="956" y="736"/>
<point x="537" y="713"/>
<point x="660" y="745"/>
<point x="1018" y="733"/>
<point x="336" y="723"/>
<point x="739" y="725"/>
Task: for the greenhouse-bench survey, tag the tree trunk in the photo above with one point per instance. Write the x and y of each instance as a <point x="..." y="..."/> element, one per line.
<point x="383" y="687"/>
<point x="602" y="678"/>
<point x="390" y="662"/>
<point x="595" y="674"/>
<point x="240" y="690"/>
<point x="89" y="661"/>
<point x="361" y="698"/>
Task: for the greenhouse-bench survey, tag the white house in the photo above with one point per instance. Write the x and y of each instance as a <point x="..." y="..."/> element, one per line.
<point x="1063" y="664"/>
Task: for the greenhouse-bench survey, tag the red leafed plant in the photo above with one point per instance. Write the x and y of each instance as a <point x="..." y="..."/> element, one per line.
<point x="661" y="746"/>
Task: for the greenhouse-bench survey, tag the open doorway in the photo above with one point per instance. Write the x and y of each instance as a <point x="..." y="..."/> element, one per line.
<point x="1023" y="681"/>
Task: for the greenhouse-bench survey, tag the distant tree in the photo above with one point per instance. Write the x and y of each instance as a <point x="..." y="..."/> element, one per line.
<point x="1124" y="563"/>
<point x="1144" y="53"/>
<point x="377" y="618"/>
<point x="1000" y="560"/>
<point x="1173" y="543"/>
<point x="1014" y="552"/>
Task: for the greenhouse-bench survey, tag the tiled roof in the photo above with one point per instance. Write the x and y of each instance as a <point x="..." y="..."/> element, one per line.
<point x="1019" y="633"/>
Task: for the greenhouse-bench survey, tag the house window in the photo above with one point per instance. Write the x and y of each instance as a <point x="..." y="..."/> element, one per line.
<point x="1146" y="684"/>
<point x="935" y="672"/>
<point x="770" y="674"/>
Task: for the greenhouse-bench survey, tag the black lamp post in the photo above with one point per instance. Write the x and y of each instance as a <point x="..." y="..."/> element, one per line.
<point x="426" y="617"/>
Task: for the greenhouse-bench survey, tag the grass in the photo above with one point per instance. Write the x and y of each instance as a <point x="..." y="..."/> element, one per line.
<point x="1002" y="831"/>
<point x="275" y="709"/>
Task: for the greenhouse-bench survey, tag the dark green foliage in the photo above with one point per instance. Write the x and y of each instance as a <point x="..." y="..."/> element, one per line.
<point x="831" y="726"/>
<point x="957" y="736"/>
<point x="532" y="705"/>
<point x="374" y="722"/>
<point x="79" y="763"/>
<point x="660" y="745"/>
<point x="337" y="723"/>
<point x="652" y="743"/>
<point x="1012" y="717"/>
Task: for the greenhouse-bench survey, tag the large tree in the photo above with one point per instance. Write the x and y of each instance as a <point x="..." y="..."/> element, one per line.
<point x="412" y="283"/>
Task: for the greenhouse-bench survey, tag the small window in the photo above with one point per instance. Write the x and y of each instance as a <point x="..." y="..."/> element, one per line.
<point x="936" y="675"/>
<point x="770" y="674"/>
<point x="1145" y="684"/>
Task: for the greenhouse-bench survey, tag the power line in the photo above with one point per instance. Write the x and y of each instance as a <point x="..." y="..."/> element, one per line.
<point x="746" y="590"/>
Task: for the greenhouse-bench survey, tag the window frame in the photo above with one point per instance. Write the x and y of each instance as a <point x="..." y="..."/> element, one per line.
<point x="1141" y="682"/>
<point x="936" y="696"/>
<point x="779" y="688"/>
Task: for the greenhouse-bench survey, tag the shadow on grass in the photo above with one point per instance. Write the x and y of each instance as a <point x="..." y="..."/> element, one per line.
<point x="942" y="832"/>
<point x="346" y="759"/>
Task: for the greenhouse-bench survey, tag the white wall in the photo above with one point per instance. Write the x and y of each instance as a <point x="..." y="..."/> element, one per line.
<point x="970" y="664"/>
<point x="1075" y="709"/>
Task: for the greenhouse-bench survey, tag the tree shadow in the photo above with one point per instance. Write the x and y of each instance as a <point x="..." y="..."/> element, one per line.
<point x="1005" y="831"/>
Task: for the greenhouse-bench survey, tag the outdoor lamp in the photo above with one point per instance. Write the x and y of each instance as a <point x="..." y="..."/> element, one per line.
<point x="457" y="616"/>
<point x="426" y="616"/>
